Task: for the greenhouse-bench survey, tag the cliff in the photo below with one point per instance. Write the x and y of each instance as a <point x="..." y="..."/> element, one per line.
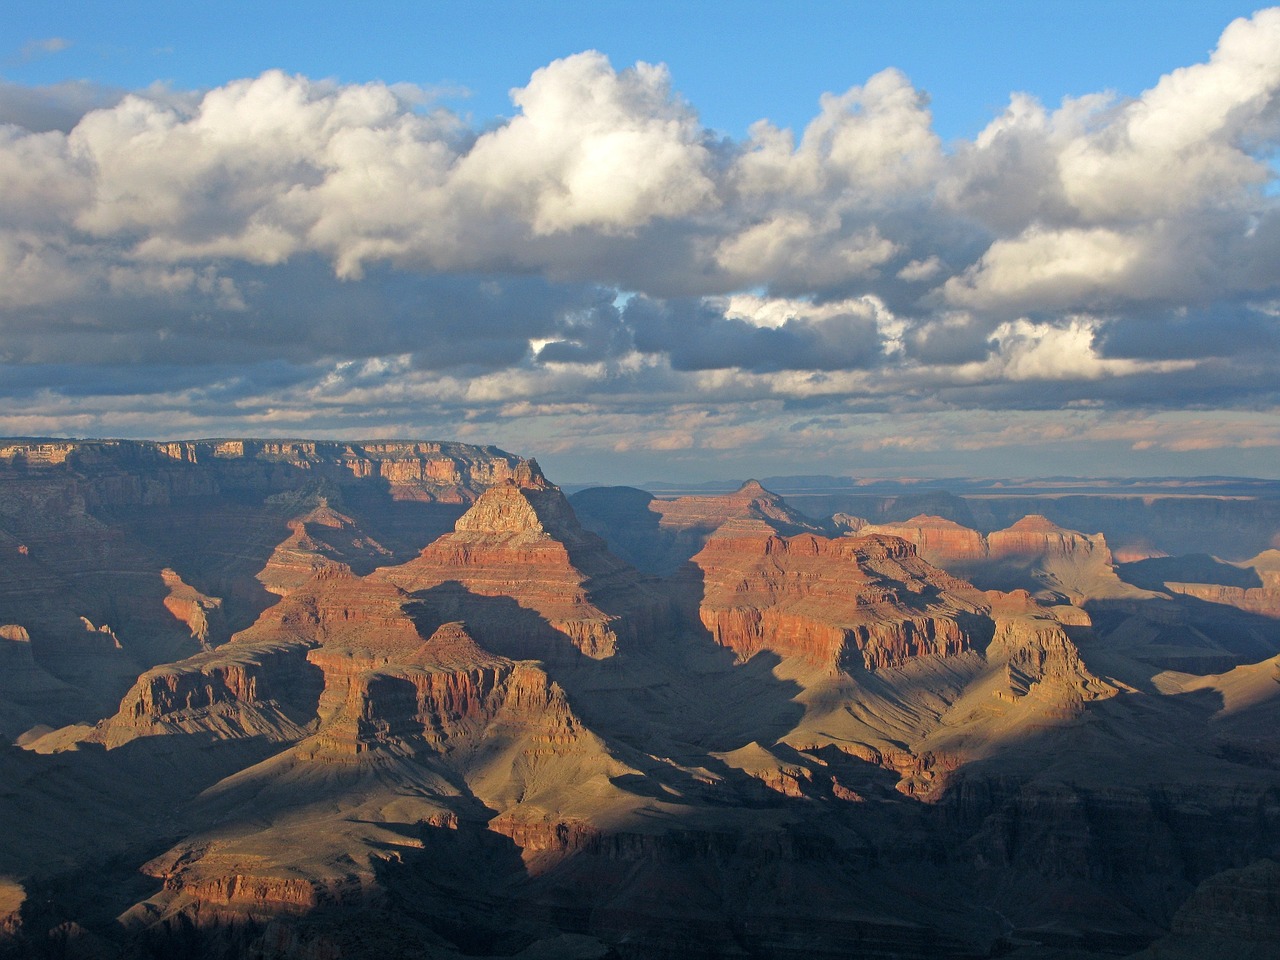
<point x="1034" y="554"/>
<point x="142" y="472"/>
<point x="177" y="546"/>
<point x="850" y="603"/>
<point x="529" y="580"/>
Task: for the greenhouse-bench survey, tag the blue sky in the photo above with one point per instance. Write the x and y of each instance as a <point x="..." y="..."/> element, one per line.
<point x="736" y="62"/>
<point x="969" y="238"/>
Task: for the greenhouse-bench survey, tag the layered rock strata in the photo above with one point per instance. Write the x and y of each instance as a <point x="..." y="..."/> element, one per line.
<point x="1034" y="553"/>
<point x="842" y="604"/>
<point x="526" y="577"/>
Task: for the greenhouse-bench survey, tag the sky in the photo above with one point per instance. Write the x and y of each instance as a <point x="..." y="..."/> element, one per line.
<point x="657" y="240"/>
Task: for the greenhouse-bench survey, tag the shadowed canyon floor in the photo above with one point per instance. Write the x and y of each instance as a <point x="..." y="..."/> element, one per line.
<point x="315" y="700"/>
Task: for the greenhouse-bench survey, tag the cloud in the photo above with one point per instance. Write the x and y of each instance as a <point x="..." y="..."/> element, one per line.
<point x="405" y="268"/>
<point x="593" y="148"/>
<point x="35" y="49"/>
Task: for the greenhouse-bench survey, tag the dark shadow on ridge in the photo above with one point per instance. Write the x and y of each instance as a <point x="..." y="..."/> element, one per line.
<point x="1154" y="573"/>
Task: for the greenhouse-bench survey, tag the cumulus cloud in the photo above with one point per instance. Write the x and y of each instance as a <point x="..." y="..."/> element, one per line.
<point x="602" y="254"/>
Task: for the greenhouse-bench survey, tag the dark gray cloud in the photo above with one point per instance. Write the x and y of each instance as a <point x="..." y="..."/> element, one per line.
<point x="694" y="335"/>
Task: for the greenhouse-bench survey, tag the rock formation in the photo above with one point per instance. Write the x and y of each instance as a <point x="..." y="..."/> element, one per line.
<point x="843" y="604"/>
<point x="353" y="719"/>
<point x="170" y="545"/>
<point x="527" y="578"/>
<point x="1034" y="554"/>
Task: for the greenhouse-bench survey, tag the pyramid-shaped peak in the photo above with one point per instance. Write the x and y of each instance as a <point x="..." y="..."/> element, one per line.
<point x="453" y="646"/>
<point x="528" y="474"/>
<point x="753" y="488"/>
<point x="536" y="507"/>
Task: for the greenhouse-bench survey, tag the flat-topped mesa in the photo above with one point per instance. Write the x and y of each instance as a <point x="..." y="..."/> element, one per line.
<point x="848" y="603"/>
<point x="115" y="473"/>
<point x="525" y="576"/>
<point x="1035" y="534"/>
<point x="937" y="539"/>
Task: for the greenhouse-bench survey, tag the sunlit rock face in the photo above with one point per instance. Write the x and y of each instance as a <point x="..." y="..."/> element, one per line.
<point x="842" y="604"/>
<point x="520" y="546"/>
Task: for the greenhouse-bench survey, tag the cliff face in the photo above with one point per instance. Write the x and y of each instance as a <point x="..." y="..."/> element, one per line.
<point x="1034" y="554"/>
<point x="851" y="603"/>
<point x="766" y="752"/>
<point x="341" y="665"/>
<point x="937" y="539"/>
<point x="138" y="472"/>
<point x="446" y="694"/>
<point x="525" y="576"/>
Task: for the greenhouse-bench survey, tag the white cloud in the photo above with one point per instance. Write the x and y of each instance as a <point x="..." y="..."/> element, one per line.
<point x="592" y="147"/>
<point x="1038" y="351"/>
<point x="1046" y="268"/>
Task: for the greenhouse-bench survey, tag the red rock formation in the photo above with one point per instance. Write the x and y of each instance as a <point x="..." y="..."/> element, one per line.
<point x="321" y="539"/>
<point x="937" y="540"/>
<point x="1035" y="535"/>
<point x="849" y="603"/>
<point x="446" y="691"/>
<point x="192" y="607"/>
<point x="1033" y="553"/>
<point x="125" y="472"/>
<point x="521" y="544"/>
<point x="659" y="536"/>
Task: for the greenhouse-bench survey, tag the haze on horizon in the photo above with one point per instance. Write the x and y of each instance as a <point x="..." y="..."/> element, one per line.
<point x="607" y="280"/>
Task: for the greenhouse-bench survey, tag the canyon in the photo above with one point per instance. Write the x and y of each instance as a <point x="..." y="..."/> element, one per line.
<point x="319" y="699"/>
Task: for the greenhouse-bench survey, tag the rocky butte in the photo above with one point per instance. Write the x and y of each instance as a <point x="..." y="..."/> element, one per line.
<point x="302" y="699"/>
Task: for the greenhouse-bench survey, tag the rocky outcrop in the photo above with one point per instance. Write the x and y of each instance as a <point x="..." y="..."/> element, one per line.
<point x="444" y="692"/>
<point x="202" y="614"/>
<point x="938" y="540"/>
<point x="849" y="603"/>
<point x="763" y="754"/>
<point x="526" y="577"/>
<point x="1033" y="554"/>
<point x="321" y="539"/>
<point x="239" y="690"/>
<point x="179" y="545"/>
<point x="262" y="682"/>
